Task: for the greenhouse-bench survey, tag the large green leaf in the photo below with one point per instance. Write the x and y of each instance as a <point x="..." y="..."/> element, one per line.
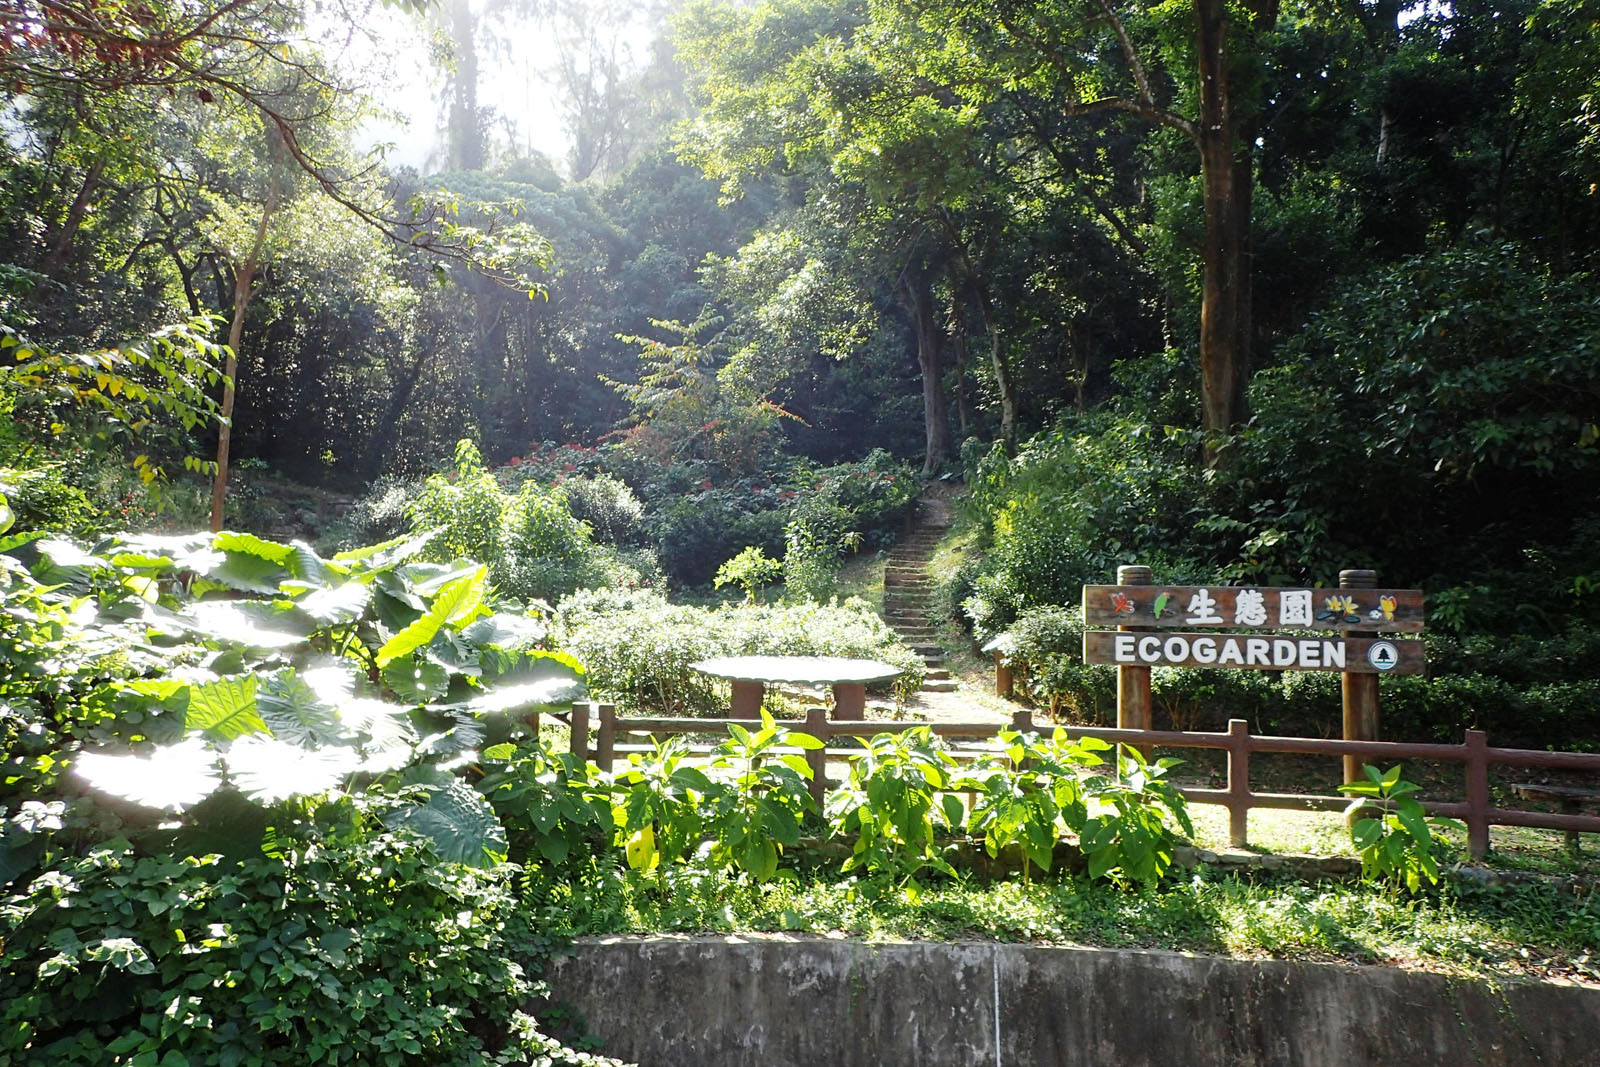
<point x="295" y="713"/>
<point x="246" y="572"/>
<point x="458" y="601"/>
<point x="459" y="825"/>
<point x="269" y="770"/>
<point x="337" y="604"/>
<point x="225" y="709"/>
<point x="171" y="778"/>
<point x="416" y="681"/>
<point x="251" y="623"/>
<point x="306" y="565"/>
<point x="388" y="553"/>
<point x="385" y="734"/>
<point x="250" y="545"/>
<point x="504" y="630"/>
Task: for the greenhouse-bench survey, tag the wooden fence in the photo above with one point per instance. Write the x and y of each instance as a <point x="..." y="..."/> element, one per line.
<point x="1476" y="755"/>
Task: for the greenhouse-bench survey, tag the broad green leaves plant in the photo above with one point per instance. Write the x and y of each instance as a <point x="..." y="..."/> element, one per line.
<point x="167" y="671"/>
<point x="1391" y="831"/>
<point x="757" y="810"/>
<point x="891" y="804"/>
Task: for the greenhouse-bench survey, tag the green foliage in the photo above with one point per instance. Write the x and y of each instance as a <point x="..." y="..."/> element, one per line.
<point x="610" y="508"/>
<point x="148" y="392"/>
<point x="1072" y="506"/>
<point x="536" y="549"/>
<point x="749" y="570"/>
<point x="1128" y="830"/>
<point x="895" y="805"/>
<point x="230" y="767"/>
<point x="1419" y="393"/>
<point x="1391" y="831"/>
<point x="835" y="511"/>
<point x="358" y="950"/>
<point x="637" y="647"/>
<point x="901" y="796"/>
<point x="557" y="809"/>
<point x="761" y="796"/>
<point x="305" y="676"/>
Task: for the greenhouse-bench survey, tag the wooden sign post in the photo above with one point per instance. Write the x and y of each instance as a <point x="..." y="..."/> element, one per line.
<point x="1314" y="630"/>
<point x="1359" y="691"/>
<point x="1133" y="683"/>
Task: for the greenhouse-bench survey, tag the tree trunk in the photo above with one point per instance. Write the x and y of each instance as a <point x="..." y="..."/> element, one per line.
<point x="958" y="349"/>
<point x="1227" y="181"/>
<point x="242" y="280"/>
<point x="463" y="129"/>
<point x="918" y="291"/>
<point x="55" y="259"/>
<point x="1003" y="379"/>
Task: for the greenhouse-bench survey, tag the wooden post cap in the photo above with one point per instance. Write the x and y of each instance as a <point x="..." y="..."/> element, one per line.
<point x="1134" y="575"/>
<point x="1358" y="579"/>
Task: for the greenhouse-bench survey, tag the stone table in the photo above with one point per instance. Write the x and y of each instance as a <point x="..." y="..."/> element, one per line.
<point x="750" y="676"/>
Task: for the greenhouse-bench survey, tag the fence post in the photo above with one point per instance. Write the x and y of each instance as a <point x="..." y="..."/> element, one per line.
<point x="817" y="758"/>
<point x="1360" y="691"/>
<point x="606" y="749"/>
<point x="580" y="730"/>
<point x="1238" y="783"/>
<point x="1477" y="794"/>
<point x="1004" y="682"/>
<point x="1133" y="683"/>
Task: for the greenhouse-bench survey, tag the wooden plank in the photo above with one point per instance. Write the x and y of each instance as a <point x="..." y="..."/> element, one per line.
<point x="1252" y="652"/>
<point x="1254" y="607"/>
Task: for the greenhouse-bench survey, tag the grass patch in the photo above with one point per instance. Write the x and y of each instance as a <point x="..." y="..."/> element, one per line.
<point x="1526" y="930"/>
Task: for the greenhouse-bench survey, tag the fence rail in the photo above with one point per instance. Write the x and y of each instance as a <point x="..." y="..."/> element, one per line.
<point x="1475" y="753"/>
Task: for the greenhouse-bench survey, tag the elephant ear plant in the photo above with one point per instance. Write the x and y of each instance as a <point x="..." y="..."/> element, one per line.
<point x="174" y="677"/>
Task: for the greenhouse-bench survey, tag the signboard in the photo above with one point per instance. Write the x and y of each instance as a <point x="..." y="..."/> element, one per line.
<point x="1250" y="607"/>
<point x="1253" y="652"/>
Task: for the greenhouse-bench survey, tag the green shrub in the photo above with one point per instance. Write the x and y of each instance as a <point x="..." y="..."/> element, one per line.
<point x="839" y="509"/>
<point x="696" y="530"/>
<point x="1391" y="831"/>
<point x="1070" y="507"/>
<point x="381" y="513"/>
<point x="610" y="508"/>
<point x="637" y="647"/>
<point x="534" y="546"/>
<point x="749" y="570"/>
<point x="365" y="951"/>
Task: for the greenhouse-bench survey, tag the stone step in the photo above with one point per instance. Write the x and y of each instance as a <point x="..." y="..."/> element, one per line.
<point x="936" y="674"/>
<point x="940" y="685"/>
<point x="927" y="650"/>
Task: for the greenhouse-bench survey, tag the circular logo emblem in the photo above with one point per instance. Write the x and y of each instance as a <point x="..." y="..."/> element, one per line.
<point x="1383" y="656"/>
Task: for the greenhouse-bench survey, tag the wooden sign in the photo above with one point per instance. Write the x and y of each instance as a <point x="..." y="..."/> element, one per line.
<point x="1248" y="651"/>
<point x="1254" y="607"/>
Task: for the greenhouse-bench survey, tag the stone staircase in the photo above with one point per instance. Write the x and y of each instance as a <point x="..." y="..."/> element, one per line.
<point x="908" y="594"/>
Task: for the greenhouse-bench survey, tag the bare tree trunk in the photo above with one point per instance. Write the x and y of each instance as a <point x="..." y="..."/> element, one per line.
<point x="918" y="293"/>
<point x="242" y="281"/>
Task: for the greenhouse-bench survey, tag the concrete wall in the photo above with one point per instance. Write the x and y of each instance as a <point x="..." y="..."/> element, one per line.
<point x="776" y="1002"/>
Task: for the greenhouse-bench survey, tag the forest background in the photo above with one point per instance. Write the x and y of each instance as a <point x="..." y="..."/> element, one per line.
<point x="1244" y="293"/>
